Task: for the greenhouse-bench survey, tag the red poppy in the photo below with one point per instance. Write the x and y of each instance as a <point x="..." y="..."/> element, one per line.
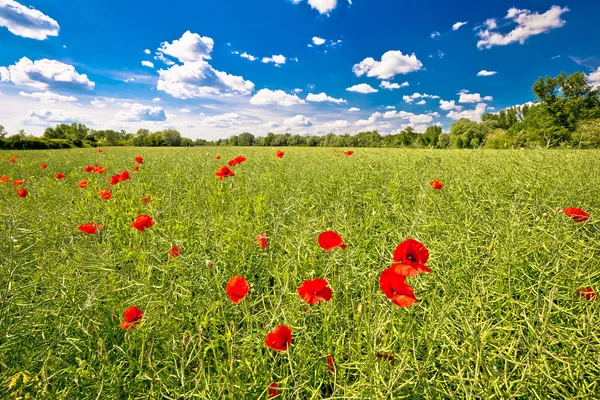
<point x="88" y="168"/>
<point x="280" y="338"/>
<point x="262" y="241"/>
<point x="4" y="179"/>
<point x="60" y="175"/>
<point x="410" y="257"/>
<point x="273" y="390"/>
<point x="142" y="222"/>
<point x="174" y="252"/>
<point x="330" y="361"/>
<point x="98" y="169"/>
<point x="437" y="185"/>
<point x="124" y="176"/>
<point x="22" y="193"/>
<point x="237" y="289"/>
<point x="83" y="184"/>
<point x="99" y="150"/>
<point x="224" y="172"/>
<point x="576" y="214"/>
<point x="89" y="229"/>
<point x="105" y="194"/>
<point x="280" y="154"/>
<point x="115" y="179"/>
<point x="330" y="240"/>
<point x="18" y="182"/>
<point x="236" y="161"/>
<point x="349" y="152"/>
<point x="133" y="316"/>
<point x="139" y="160"/>
<point x="146" y="199"/>
<point x="588" y="293"/>
<point x="218" y="157"/>
<point x="135" y="168"/>
<point x="43" y="166"/>
<point x="315" y="291"/>
<point x="389" y="357"/>
<point x="396" y="289"/>
<point x="13" y="159"/>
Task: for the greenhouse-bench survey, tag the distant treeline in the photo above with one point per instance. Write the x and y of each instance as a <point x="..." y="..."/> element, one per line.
<point x="566" y="114"/>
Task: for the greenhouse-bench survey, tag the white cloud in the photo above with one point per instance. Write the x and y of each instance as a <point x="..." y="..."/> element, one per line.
<point x="297" y="121"/>
<point x="54" y="116"/>
<point x="185" y="110"/>
<point x="147" y="51"/>
<point x="414" y="96"/>
<point x="140" y="112"/>
<point x="391" y="86"/>
<point x="318" y="41"/>
<point x="148" y="64"/>
<point x="420" y="103"/>
<point x="45" y="74"/>
<point x="353" y="109"/>
<point x="434" y="34"/>
<point x="322" y="97"/>
<point x="322" y="6"/>
<point x="26" y="22"/>
<point x="466" y="97"/>
<point x="362" y="88"/>
<point x="528" y="24"/>
<point x="457" y="25"/>
<point x="297" y="90"/>
<point x="390" y="108"/>
<point x="275" y="97"/>
<point x="449" y="105"/>
<point x="334" y="125"/>
<point x="102" y="103"/>
<point x="491" y="23"/>
<point x="483" y="72"/>
<point x="223" y="120"/>
<point x="594" y="78"/>
<point x="248" y="56"/>
<point x="156" y="99"/>
<point x="370" y="121"/>
<point x="412" y="118"/>
<point x="191" y="47"/>
<point x="49" y="97"/>
<point x="473" y="115"/>
<point x="392" y="63"/>
<point x="277" y="60"/>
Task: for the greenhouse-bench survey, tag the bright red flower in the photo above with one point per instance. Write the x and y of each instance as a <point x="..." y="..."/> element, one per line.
<point x="83" y="184"/>
<point x="13" y="159"/>
<point x="88" y="168"/>
<point x="89" y="229"/>
<point x="22" y="193"/>
<point x="224" y="172"/>
<point x="4" y="179"/>
<point x="315" y="291"/>
<point x="99" y="150"/>
<point x="389" y="357"/>
<point x="218" y="157"/>
<point x="588" y="293"/>
<point x="105" y="194"/>
<point x="135" y="168"/>
<point x="280" y="154"/>
<point x="330" y="361"/>
<point x="43" y="166"/>
<point x="18" y="182"/>
<point x="124" y="176"/>
<point x="237" y="289"/>
<point x="115" y="179"/>
<point x="349" y="152"/>
<point x="98" y="169"/>
<point x="236" y="161"/>
<point x="576" y="214"/>
<point x="273" y="390"/>
<point x="396" y="289"/>
<point x="330" y="240"/>
<point x="437" y="185"/>
<point x="262" y="241"/>
<point x="410" y="257"/>
<point x="142" y="222"/>
<point x="174" y="252"/>
<point x="60" y="175"/>
<point x="280" y="338"/>
<point x="146" y="199"/>
<point x="133" y="316"/>
<point x="139" y="160"/>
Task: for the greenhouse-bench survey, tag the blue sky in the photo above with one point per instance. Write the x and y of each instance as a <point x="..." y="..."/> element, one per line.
<point x="216" y="68"/>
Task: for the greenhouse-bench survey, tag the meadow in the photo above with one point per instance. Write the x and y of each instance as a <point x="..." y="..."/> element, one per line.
<point x="498" y="316"/>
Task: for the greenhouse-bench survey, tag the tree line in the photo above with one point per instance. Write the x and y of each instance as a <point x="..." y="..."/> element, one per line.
<point x="565" y="114"/>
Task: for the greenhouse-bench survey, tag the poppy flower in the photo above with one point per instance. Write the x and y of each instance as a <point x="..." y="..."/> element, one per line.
<point x="133" y="316"/>
<point x="98" y="169"/>
<point x="262" y="241"/>
<point x="105" y="194"/>
<point x="349" y="152"/>
<point x="437" y="185"/>
<point x="174" y="252"/>
<point x="237" y="289"/>
<point x="389" y="357"/>
<point x="99" y="150"/>
<point x="139" y="160"/>
<point x="236" y="161"/>
<point x="142" y="222"/>
<point x="315" y="291"/>
<point x="330" y="361"/>
<point x="273" y="390"/>
<point x="88" y="168"/>
<point x="43" y="166"/>
<point x="330" y="240"/>
<point x="4" y="179"/>
<point x="218" y="157"/>
<point x="280" y="338"/>
<point x="89" y="229"/>
<point x="60" y="175"/>
<point x="83" y="184"/>
<point x="146" y="199"/>
<point x="18" y="182"/>
<point x="13" y="159"/>
<point x="396" y="289"/>
<point x="410" y="257"/>
<point x="576" y="214"/>
<point x="588" y="293"/>
<point x="115" y="179"/>
<point x="22" y="193"/>
<point x="124" y="176"/>
<point x="135" y="168"/>
<point x="280" y="154"/>
<point x="224" y="172"/>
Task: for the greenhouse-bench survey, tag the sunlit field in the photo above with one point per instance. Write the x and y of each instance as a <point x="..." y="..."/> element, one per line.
<point x="498" y="316"/>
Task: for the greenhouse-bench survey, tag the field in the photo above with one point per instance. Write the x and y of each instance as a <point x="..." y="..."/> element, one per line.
<point x="498" y="316"/>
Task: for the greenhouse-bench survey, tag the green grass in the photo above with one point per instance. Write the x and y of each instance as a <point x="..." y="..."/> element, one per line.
<point x="497" y="317"/>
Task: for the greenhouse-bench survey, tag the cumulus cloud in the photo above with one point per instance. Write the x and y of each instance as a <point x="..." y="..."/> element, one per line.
<point x="45" y="74"/>
<point x="53" y="116"/>
<point x="191" y="47"/>
<point x="414" y="96"/>
<point x="392" y="63"/>
<point x="362" y="88"/>
<point x="147" y="51"/>
<point x="353" y="109"/>
<point x="322" y="6"/>
<point x="391" y="86"/>
<point x="434" y="34"/>
<point x="466" y="97"/>
<point x="297" y="121"/>
<point x="411" y="117"/>
<point x="420" y="103"/>
<point x="185" y="110"/>
<point x="370" y="121"/>
<point x="49" y="97"/>
<point x="275" y="97"/>
<point x="528" y="24"/>
<point x="26" y="22"/>
<point x="223" y="120"/>
<point x="594" y="78"/>
<point x="322" y="97"/>
<point x="140" y="112"/>
<point x="473" y="115"/>
<point x="156" y="99"/>
<point x="483" y="72"/>
<point x="148" y="64"/>
<point x="457" y="25"/>
<point x="334" y="125"/>
<point x="248" y="56"/>
<point x="277" y="60"/>
<point x="449" y="105"/>
<point x="317" y="41"/>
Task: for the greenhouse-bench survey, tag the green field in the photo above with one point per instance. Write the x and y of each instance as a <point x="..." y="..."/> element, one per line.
<point x="498" y="315"/>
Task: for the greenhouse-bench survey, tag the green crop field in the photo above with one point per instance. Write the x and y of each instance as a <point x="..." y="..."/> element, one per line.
<point x="498" y="316"/>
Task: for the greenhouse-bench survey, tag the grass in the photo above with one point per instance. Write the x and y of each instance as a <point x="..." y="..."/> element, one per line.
<point x="497" y="317"/>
